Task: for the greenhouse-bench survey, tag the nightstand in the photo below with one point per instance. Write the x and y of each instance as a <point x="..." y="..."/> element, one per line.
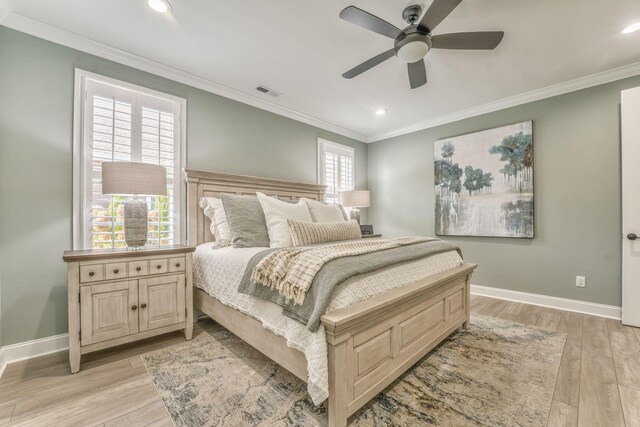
<point x="118" y="296"/>
<point x="371" y="236"/>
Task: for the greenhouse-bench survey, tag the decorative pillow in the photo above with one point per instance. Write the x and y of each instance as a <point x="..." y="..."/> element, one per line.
<point x="276" y="213"/>
<point x="246" y="221"/>
<point x="323" y="212"/>
<point x="309" y="233"/>
<point x="214" y="210"/>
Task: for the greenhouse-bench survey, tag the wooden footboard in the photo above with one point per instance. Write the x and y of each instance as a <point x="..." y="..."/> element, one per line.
<point x="372" y="343"/>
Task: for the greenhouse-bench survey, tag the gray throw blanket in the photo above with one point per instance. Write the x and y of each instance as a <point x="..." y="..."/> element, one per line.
<point x="334" y="273"/>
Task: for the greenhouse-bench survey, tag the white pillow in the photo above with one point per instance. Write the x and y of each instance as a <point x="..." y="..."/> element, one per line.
<point x="322" y="212"/>
<point x="276" y="214"/>
<point x="214" y="210"/>
<point x="209" y="213"/>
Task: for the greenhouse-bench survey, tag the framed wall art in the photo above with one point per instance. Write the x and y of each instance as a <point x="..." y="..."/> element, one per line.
<point x="484" y="183"/>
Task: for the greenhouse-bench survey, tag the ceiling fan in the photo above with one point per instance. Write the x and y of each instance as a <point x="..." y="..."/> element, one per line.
<point x="414" y="42"/>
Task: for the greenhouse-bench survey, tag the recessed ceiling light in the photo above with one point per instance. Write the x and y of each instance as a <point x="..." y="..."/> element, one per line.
<point x="632" y="28"/>
<point x="160" y="6"/>
<point x="381" y="112"/>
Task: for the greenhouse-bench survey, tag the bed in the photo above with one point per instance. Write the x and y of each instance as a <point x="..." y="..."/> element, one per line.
<point x="368" y="343"/>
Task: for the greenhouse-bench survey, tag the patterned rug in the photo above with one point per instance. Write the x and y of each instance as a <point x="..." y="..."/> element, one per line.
<point x="496" y="373"/>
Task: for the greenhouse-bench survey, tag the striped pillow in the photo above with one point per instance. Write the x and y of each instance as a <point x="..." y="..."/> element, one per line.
<point x="308" y="233"/>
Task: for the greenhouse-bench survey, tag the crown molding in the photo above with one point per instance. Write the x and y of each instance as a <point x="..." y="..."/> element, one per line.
<point x="512" y="101"/>
<point x="22" y="23"/>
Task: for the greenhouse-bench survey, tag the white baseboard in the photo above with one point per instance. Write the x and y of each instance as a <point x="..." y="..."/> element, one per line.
<point x="577" y="306"/>
<point x="40" y="347"/>
<point x="30" y="349"/>
<point x="3" y="364"/>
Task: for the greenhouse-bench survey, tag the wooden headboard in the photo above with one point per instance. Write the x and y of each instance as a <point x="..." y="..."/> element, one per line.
<point x="211" y="184"/>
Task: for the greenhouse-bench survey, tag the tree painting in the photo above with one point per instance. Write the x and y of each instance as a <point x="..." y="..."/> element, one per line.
<point x="484" y="183"/>
<point x="517" y="151"/>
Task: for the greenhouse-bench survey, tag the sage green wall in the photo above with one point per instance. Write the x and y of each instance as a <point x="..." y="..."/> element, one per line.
<point x="577" y="195"/>
<point x="36" y="108"/>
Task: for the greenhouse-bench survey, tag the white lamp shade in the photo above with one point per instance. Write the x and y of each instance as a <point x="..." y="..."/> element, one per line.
<point x="355" y="199"/>
<point x="133" y="178"/>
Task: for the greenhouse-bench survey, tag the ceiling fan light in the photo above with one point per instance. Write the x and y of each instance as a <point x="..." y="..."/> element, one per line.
<point x="413" y="51"/>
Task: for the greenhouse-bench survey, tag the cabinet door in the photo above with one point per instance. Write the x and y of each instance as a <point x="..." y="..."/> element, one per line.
<point x="162" y="301"/>
<point x="108" y="311"/>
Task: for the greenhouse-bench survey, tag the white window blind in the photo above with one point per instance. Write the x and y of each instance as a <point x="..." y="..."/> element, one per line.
<point x="335" y="168"/>
<point x="121" y="122"/>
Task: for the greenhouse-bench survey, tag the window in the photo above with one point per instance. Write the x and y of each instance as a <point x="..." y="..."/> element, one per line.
<point x="116" y="121"/>
<point x="335" y="168"/>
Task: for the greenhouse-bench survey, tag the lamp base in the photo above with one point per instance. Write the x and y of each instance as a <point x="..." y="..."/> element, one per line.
<point x="354" y="213"/>
<point x="135" y="223"/>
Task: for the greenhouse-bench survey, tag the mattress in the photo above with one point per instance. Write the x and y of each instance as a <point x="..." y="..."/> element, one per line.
<point x="218" y="271"/>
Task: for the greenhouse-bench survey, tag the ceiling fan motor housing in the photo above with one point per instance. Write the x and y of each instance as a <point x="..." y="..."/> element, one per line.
<point x="412" y="44"/>
<point x="411" y="14"/>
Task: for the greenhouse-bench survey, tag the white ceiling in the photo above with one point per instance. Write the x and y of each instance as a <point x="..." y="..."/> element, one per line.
<point x="300" y="48"/>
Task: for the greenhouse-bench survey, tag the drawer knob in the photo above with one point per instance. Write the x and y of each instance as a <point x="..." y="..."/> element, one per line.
<point x="91" y="273"/>
<point x="177" y="264"/>
<point x="134" y="307"/>
<point x="143" y="305"/>
<point x="158" y="266"/>
<point x="138" y="268"/>
<point x="116" y="271"/>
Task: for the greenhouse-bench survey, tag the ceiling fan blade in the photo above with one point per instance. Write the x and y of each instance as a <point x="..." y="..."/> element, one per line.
<point x="417" y="74"/>
<point x="484" y="40"/>
<point x="366" y="65"/>
<point x="436" y="13"/>
<point x="370" y="22"/>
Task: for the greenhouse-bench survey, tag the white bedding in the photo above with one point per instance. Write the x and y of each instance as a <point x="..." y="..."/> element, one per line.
<point x="219" y="272"/>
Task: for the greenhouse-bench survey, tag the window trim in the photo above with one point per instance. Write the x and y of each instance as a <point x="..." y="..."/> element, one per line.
<point x="78" y="233"/>
<point x="340" y="149"/>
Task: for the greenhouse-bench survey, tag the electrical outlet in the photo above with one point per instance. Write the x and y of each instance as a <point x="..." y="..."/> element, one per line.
<point x="581" y="281"/>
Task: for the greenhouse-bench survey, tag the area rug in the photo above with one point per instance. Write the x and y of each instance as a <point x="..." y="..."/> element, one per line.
<point x="496" y="373"/>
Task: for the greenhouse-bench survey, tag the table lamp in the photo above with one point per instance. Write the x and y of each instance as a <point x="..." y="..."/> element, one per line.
<point x="355" y="199"/>
<point x="137" y="179"/>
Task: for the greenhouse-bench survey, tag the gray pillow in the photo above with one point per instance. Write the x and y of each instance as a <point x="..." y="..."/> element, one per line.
<point x="246" y="221"/>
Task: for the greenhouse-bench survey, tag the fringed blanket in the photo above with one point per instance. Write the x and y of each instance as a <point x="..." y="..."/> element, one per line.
<point x="291" y="271"/>
<point x="333" y="272"/>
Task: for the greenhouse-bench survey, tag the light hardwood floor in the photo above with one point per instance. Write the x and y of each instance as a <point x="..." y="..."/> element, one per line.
<point x="598" y="383"/>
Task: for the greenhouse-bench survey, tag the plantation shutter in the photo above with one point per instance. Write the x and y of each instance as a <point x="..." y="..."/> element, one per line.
<point x="335" y="168"/>
<point x="121" y="124"/>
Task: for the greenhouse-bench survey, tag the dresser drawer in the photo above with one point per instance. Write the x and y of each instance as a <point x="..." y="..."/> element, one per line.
<point x="138" y="268"/>
<point x="116" y="270"/>
<point x="91" y="273"/>
<point x="176" y="264"/>
<point x="158" y="266"/>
